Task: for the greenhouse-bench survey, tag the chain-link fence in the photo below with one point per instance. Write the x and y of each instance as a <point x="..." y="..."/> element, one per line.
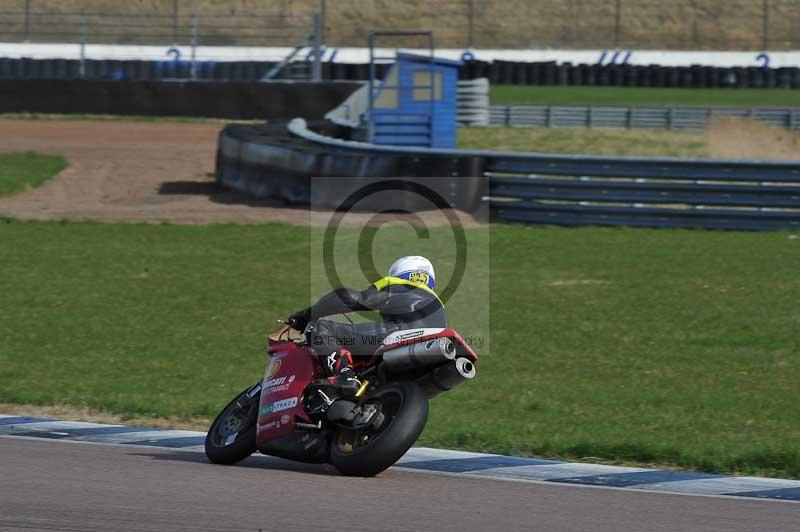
<point x="594" y="24"/>
<point x="179" y="32"/>
<point x="154" y="28"/>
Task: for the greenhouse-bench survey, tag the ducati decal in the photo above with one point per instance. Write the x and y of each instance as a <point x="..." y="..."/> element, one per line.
<point x="274" y="382"/>
<point x="278" y="385"/>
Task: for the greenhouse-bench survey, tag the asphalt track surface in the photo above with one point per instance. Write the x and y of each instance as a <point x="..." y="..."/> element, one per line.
<point x="61" y="485"/>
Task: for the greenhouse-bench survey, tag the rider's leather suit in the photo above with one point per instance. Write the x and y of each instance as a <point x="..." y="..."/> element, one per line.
<point x="401" y="304"/>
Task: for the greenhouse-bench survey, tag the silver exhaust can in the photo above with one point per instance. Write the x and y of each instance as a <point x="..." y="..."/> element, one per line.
<point x="447" y="377"/>
<point x="419" y="355"/>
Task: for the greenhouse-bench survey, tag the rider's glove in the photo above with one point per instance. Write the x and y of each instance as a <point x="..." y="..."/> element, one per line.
<point x="300" y="319"/>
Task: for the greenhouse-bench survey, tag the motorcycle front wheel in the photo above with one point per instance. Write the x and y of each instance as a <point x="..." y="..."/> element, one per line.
<point x="232" y="436"/>
<point x="369" y="450"/>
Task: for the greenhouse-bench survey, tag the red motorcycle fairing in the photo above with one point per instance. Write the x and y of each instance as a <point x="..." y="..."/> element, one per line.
<point x="288" y="373"/>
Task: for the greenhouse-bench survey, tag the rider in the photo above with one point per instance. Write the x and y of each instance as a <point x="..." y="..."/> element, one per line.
<point x="405" y="300"/>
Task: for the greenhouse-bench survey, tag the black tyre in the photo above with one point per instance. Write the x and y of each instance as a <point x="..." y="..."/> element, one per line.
<point x="232" y="436"/>
<point x="368" y="451"/>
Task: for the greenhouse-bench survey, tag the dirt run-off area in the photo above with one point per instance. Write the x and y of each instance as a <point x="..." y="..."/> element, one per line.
<point x="164" y="172"/>
<point x="144" y="172"/>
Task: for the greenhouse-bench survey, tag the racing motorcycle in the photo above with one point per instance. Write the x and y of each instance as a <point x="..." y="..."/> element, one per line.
<point x="289" y="414"/>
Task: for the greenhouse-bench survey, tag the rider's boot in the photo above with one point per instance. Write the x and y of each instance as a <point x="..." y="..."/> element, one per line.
<point x="344" y="379"/>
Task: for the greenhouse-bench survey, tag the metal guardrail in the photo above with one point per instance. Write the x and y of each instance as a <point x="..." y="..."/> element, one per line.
<point x="572" y="190"/>
<point x="634" y="117"/>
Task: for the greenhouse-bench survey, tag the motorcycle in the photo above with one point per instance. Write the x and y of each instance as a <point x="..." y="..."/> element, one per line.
<point x="289" y="414"/>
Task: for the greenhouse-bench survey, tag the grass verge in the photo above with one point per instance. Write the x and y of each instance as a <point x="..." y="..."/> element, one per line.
<point x="585" y="141"/>
<point x="19" y="171"/>
<point x="656" y="346"/>
<point x="520" y="94"/>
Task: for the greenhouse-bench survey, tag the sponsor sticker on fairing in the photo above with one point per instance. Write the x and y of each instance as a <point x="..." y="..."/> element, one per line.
<point x="413" y="334"/>
<point x="284" y="404"/>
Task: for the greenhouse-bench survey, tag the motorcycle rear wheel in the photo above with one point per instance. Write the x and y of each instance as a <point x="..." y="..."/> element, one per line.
<point x="232" y="436"/>
<point x="368" y="451"/>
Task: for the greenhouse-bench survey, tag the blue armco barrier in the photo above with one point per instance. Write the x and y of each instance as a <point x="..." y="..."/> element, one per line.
<point x="572" y="190"/>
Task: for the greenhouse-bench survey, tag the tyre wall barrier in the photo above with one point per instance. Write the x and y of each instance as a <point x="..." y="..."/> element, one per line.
<point x="610" y="75"/>
<point x="281" y="161"/>
<point x="498" y="72"/>
<point x="266" y="161"/>
<point x="236" y="100"/>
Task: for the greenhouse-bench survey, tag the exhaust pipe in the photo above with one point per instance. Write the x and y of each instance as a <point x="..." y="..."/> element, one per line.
<point x="419" y="355"/>
<point x="446" y="377"/>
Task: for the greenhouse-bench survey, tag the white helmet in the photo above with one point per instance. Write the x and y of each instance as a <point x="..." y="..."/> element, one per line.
<point x="415" y="269"/>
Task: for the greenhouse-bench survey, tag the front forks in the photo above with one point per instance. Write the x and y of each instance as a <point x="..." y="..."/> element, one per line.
<point x="245" y="400"/>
